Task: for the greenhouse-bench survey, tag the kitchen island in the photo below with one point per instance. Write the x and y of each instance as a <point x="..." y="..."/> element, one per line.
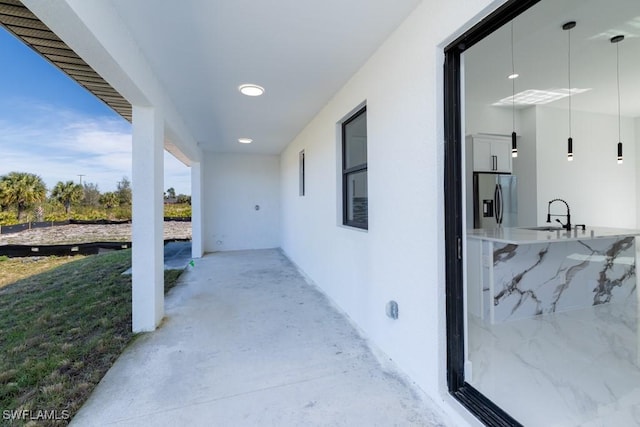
<point x="518" y="273"/>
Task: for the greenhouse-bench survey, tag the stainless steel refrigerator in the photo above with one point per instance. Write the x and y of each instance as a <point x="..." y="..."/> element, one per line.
<point x="495" y="200"/>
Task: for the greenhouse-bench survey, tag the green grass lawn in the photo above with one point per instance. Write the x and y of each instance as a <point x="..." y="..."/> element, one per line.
<point x="14" y="269"/>
<point x="61" y="330"/>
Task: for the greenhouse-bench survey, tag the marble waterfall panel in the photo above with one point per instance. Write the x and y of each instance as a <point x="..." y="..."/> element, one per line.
<point x="540" y="278"/>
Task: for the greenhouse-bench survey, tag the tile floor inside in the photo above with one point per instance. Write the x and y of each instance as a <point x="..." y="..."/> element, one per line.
<point x="576" y="368"/>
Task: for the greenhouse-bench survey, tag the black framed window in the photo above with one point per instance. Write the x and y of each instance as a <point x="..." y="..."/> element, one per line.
<point x="355" y="199"/>
<point x="301" y="177"/>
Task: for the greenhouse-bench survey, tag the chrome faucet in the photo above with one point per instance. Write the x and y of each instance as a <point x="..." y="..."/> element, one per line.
<point x="566" y="226"/>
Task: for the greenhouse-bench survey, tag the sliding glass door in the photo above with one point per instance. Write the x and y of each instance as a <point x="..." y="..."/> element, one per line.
<point x="542" y="310"/>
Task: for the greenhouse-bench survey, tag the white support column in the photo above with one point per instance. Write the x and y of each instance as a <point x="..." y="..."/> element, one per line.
<point x="148" y="250"/>
<point x="197" y="229"/>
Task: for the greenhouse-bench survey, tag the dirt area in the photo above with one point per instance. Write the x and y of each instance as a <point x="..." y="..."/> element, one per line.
<point x="89" y="233"/>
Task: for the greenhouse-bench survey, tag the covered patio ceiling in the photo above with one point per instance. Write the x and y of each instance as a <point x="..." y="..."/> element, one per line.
<point x="200" y="51"/>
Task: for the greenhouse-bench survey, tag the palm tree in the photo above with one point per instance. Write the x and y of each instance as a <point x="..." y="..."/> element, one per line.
<point x="4" y="195"/>
<point x="22" y="190"/>
<point x="67" y="193"/>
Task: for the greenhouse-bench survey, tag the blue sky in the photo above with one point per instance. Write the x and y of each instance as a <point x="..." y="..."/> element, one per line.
<point x="53" y="127"/>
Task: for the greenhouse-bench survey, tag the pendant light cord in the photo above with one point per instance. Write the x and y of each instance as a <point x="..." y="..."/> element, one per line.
<point x="618" y="79"/>
<point x="569" y="78"/>
<point x="513" y="83"/>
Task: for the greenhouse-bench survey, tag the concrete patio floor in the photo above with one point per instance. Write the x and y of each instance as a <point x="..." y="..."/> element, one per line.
<point x="248" y="342"/>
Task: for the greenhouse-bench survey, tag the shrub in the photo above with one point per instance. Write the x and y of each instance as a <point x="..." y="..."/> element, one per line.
<point x="55" y="212"/>
<point x="8" y="217"/>
<point x="177" y="210"/>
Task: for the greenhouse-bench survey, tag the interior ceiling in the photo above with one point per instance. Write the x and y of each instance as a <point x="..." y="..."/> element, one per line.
<point x="301" y="52"/>
<point x="541" y="56"/>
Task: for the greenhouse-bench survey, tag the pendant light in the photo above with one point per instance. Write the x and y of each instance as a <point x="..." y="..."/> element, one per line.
<point x="616" y="40"/>
<point x="513" y="76"/>
<point x="567" y="27"/>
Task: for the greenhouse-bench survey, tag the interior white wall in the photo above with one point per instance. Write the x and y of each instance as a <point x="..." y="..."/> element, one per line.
<point x="481" y="118"/>
<point x="401" y="256"/>
<point x="525" y="168"/>
<point x="599" y="191"/>
<point x="468" y="181"/>
<point x="234" y="184"/>
<point x="637" y="160"/>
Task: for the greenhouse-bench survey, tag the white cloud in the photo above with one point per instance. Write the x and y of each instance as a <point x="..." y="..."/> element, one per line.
<point x="60" y="145"/>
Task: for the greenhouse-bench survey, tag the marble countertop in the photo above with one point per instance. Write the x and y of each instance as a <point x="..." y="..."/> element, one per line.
<point x="519" y="236"/>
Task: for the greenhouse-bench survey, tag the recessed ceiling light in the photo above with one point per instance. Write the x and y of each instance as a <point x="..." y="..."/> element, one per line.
<point x="513" y="76"/>
<point x="251" y="90"/>
<point x="245" y="140"/>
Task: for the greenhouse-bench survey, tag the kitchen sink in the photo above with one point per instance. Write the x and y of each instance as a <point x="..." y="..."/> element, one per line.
<point x="544" y="228"/>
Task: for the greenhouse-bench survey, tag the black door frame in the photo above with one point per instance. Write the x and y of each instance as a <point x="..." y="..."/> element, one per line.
<point x="477" y="403"/>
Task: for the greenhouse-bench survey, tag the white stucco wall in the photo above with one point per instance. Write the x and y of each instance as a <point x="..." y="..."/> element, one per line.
<point x="401" y="256"/>
<point x="233" y="185"/>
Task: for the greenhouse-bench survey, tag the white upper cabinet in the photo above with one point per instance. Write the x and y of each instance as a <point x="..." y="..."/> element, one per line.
<point x="491" y="153"/>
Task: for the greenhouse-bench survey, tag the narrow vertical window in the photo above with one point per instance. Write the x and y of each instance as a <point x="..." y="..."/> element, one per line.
<point x="301" y="172"/>
<point x="355" y="200"/>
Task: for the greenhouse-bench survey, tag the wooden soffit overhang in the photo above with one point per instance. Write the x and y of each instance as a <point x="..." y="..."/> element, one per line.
<point x="26" y="26"/>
